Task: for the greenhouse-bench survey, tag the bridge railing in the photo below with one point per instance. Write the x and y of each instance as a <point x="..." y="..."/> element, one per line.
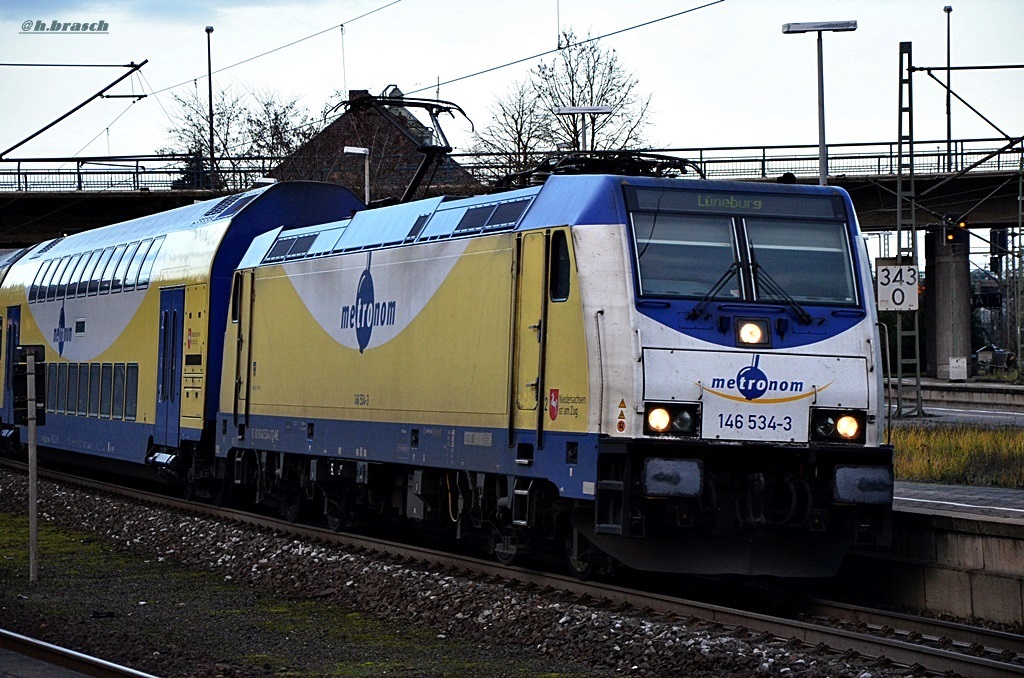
<point x="129" y="173"/>
<point x="861" y="159"/>
<point x="869" y="159"/>
<point x="169" y="172"/>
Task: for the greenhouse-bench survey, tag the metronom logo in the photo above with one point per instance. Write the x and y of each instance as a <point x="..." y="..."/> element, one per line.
<point x="65" y="27"/>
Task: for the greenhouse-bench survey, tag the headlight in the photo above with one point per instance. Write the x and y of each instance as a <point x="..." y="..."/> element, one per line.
<point x="658" y="419"/>
<point x="837" y="426"/>
<point x="752" y="332"/>
<point x="675" y="419"/>
<point x="848" y="427"/>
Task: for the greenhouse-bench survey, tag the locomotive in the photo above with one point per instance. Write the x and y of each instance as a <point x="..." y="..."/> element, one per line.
<point x="679" y="375"/>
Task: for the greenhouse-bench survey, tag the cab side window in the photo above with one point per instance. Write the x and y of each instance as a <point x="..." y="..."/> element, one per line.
<point x="560" y="265"/>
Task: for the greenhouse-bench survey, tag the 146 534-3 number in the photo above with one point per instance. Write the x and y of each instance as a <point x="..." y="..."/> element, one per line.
<point x="755" y="422"/>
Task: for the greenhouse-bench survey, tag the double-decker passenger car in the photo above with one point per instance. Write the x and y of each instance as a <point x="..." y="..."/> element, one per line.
<point x="132" y="319"/>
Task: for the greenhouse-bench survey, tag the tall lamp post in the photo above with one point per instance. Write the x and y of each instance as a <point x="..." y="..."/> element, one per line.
<point x="365" y="152"/>
<point x="584" y="111"/>
<point x="820" y="27"/>
<point x="948" y="9"/>
<point x="209" y="82"/>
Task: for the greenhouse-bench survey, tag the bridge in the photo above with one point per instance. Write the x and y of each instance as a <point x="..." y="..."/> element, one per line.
<point x="41" y="198"/>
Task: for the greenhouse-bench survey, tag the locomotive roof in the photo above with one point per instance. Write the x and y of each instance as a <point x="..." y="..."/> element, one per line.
<point x="191" y="217"/>
<point x="562" y="199"/>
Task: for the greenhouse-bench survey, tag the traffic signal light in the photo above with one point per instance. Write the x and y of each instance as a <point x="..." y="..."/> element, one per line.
<point x="955" y="232"/>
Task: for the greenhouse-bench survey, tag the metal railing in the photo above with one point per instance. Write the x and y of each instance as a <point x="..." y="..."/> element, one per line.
<point x="170" y="172"/>
<point x="859" y="159"/>
<point x="130" y="173"/>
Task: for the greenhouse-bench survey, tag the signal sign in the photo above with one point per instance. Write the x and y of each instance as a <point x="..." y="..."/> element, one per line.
<point x="897" y="288"/>
<point x="19" y="384"/>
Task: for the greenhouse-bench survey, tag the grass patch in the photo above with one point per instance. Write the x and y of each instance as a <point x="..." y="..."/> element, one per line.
<point x="960" y="455"/>
<point x="96" y="597"/>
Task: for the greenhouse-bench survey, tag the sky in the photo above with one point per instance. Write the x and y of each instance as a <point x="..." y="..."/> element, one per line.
<point x="722" y="75"/>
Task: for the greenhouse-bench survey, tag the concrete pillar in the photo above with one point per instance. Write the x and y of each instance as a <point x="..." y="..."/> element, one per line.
<point x="947" y="306"/>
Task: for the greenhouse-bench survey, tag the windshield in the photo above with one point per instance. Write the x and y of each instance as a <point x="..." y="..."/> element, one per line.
<point x="685" y="255"/>
<point x="810" y="260"/>
<point x="728" y="245"/>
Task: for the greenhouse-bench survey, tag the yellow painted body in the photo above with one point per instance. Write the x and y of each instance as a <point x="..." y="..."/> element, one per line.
<point x="458" y="350"/>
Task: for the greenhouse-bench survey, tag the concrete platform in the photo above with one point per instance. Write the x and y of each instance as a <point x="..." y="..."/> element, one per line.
<point x="956" y="550"/>
<point x="971" y="500"/>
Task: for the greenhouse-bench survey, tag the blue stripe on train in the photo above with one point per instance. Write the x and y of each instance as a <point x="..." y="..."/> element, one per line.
<point x="469" y="448"/>
<point x="121" y="440"/>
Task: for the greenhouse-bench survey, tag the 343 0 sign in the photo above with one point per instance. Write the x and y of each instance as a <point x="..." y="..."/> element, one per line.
<point x="896" y="287"/>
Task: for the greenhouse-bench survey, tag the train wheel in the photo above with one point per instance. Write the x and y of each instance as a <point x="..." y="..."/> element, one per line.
<point x="580" y="569"/>
<point x="292" y="507"/>
<point x="582" y="566"/>
<point x="502" y="548"/>
<point x="337" y="515"/>
<point x="334" y="521"/>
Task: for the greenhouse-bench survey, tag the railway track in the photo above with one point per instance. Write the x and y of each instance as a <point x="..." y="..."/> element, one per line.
<point x="64" y="658"/>
<point x="932" y="646"/>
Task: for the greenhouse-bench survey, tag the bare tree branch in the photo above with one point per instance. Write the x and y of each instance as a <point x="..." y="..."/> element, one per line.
<point x="523" y="121"/>
<point x="245" y="134"/>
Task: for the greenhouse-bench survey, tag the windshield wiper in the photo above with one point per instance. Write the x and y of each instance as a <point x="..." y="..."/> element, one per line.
<point x="698" y="310"/>
<point x="761" y="276"/>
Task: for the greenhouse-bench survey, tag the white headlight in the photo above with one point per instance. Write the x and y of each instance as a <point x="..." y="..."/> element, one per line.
<point x="751" y="333"/>
<point x="658" y="419"/>
<point x="847" y="427"/>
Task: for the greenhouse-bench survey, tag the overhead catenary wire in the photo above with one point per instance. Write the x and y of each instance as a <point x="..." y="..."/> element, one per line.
<point x="439" y="83"/>
<point x="98" y="134"/>
<point x="566" y="46"/>
<point x="277" y="49"/>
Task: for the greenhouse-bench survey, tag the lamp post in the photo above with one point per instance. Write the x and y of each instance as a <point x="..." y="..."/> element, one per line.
<point x="584" y="111"/>
<point x="820" y="27"/>
<point x="948" y="9"/>
<point x="209" y="82"/>
<point x="365" y="152"/>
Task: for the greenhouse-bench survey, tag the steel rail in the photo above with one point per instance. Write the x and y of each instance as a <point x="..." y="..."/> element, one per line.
<point x="65" y="658"/>
<point x="940" y="631"/>
<point x="938" y="660"/>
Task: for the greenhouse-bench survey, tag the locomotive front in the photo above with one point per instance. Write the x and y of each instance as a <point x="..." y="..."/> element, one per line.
<point x="752" y="441"/>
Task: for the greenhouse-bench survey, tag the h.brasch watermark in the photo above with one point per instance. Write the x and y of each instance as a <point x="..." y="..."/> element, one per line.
<point x="65" y="27"/>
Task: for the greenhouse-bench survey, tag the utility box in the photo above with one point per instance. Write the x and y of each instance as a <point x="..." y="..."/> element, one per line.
<point x="958" y="369"/>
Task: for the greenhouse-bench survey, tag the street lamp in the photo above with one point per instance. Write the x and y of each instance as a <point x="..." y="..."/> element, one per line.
<point x="584" y="111"/>
<point x="365" y="152"/>
<point x="209" y="81"/>
<point x="820" y="27"/>
<point x="948" y="9"/>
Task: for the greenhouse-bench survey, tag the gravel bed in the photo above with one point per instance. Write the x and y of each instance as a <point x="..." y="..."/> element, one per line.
<point x="189" y="597"/>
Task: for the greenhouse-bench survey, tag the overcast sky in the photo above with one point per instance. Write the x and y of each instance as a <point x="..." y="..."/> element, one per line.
<point x="724" y="75"/>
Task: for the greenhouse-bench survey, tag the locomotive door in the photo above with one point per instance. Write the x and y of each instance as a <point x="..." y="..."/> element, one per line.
<point x="530" y="332"/>
<point x="242" y="301"/>
<point x="13" y="336"/>
<point x="168" y="382"/>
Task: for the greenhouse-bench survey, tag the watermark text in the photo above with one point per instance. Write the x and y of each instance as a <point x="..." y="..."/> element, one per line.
<point x="64" y="27"/>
